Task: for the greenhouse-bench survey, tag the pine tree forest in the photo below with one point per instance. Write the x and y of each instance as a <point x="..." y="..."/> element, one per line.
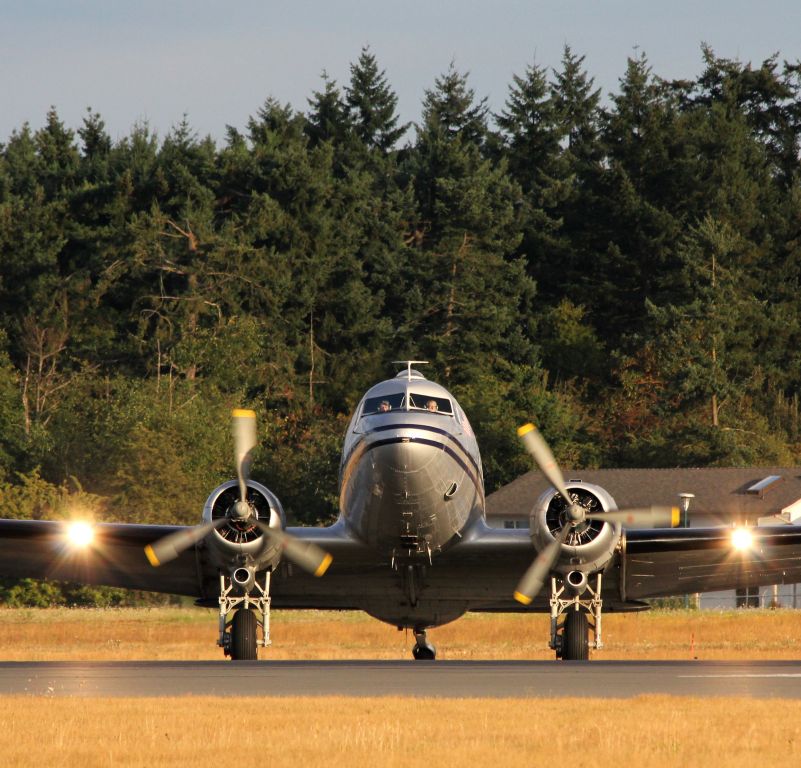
<point x="621" y="269"/>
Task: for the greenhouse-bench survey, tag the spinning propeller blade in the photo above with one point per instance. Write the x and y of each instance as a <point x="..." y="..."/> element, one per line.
<point x="170" y="546"/>
<point x="305" y="554"/>
<point x="244" y="430"/>
<point x="535" y="444"/>
<point x="642" y="517"/>
<point x="533" y="579"/>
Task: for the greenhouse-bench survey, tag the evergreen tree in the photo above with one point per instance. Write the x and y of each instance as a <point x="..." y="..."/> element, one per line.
<point x="637" y="217"/>
<point x="531" y="135"/>
<point x="450" y="109"/>
<point x="373" y="104"/>
<point x="707" y="342"/>
<point x="328" y="118"/>
<point x="564" y="265"/>
<point x="471" y="301"/>
<point x="577" y="104"/>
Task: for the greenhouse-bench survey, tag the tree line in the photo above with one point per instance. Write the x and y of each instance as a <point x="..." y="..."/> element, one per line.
<point x="624" y="272"/>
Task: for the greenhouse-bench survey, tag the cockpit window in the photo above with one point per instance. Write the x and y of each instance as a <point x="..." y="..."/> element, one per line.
<point x="397" y="402"/>
<point x="383" y="404"/>
<point x="431" y="404"/>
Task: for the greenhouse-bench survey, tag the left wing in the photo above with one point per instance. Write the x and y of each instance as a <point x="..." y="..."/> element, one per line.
<point x="484" y="569"/>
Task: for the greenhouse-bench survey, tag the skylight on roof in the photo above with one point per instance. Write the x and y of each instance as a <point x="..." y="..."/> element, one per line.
<point x="766" y="484"/>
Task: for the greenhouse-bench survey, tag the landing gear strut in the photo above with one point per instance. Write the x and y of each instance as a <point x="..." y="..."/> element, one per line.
<point x="423" y="650"/>
<point x="239" y="637"/>
<point x="570" y="635"/>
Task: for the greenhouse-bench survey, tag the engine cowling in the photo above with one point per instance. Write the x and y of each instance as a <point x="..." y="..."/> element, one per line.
<point x="591" y="544"/>
<point x="244" y="540"/>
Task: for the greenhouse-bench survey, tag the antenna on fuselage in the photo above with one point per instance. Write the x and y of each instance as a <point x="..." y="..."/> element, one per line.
<point x="409" y="364"/>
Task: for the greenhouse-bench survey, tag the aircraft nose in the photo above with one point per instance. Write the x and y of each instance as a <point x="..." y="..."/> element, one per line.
<point x="409" y="455"/>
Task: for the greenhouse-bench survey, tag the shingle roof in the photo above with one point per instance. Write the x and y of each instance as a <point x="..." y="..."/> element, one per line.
<point x="719" y="492"/>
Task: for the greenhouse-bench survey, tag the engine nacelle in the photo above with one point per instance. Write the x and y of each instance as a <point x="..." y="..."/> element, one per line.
<point x="244" y="542"/>
<point x="591" y="544"/>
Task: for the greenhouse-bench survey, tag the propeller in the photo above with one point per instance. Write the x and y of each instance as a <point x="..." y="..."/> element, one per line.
<point x="170" y="546"/>
<point x="639" y="517"/>
<point x="533" y="579"/>
<point x="305" y="554"/>
<point x="244" y="430"/>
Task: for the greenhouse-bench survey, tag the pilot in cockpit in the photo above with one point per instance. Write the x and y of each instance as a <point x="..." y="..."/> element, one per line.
<point x="431" y="405"/>
<point x="384" y="406"/>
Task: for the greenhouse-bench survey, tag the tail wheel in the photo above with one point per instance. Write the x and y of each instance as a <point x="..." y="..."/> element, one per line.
<point x="575" y="640"/>
<point x="243" y="636"/>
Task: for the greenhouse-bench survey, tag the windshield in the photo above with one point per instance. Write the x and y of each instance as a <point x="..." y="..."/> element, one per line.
<point x="397" y="402"/>
<point x="431" y="404"/>
<point x="383" y="404"/>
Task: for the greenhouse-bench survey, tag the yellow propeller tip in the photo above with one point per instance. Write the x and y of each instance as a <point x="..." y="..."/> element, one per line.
<point x="327" y="560"/>
<point x="675" y="517"/>
<point x="521" y="598"/>
<point x="525" y="429"/>
<point x="151" y="556"/>
<point x="243" y="413"/>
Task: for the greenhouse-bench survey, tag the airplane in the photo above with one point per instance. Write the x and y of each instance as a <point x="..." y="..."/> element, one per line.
<point x="411" y="546"/>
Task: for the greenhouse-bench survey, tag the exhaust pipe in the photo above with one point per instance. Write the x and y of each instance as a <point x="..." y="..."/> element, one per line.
<point x="576" y="582"/>
<point x="243" y="579"/>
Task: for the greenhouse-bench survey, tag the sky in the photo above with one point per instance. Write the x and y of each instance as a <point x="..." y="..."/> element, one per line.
<point x="155" y="61"/>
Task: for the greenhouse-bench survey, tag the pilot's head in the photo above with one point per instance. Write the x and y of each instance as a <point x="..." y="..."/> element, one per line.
<point x="384" y="406"/>
<point x="431" y="405"/>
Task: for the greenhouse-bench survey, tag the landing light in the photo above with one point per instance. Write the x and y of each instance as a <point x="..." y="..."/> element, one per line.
<point x="742" y="539"/>
<point x="80" y="534"/>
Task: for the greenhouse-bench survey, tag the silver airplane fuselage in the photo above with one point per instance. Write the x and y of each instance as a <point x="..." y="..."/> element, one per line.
<point x="410" y="478"/>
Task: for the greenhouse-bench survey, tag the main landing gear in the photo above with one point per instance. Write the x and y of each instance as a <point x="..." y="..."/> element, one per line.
<point x="570" y="619"/>
<point x="239" y="637"/>
<point x="423" y="650"/>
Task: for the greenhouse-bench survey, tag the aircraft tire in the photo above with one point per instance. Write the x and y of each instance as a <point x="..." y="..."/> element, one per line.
<point x="575" y="641"/>
<point x="243" y="636"/>
<point x="425" y="652"/>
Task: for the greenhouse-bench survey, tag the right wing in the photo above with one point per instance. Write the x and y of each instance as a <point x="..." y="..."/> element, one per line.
<point x="677" y="561"/>
<point x="40" y="549"/>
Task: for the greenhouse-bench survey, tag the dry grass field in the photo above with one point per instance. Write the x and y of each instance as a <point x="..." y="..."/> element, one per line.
<point x="648" y="732"/>
<point x="190" y="633"/>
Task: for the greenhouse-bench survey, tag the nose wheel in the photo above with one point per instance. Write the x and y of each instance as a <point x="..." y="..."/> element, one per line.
<point x="575" y="639"/>
<point x="239" y="637"/>
<point x="573" y="617"/>
<point x="423" y="650"/>
<point x="243" y="636"/>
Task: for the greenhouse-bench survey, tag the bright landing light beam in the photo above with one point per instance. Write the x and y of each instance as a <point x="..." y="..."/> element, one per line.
<point x="742" y="539"/>
<point x="80" y="534"/>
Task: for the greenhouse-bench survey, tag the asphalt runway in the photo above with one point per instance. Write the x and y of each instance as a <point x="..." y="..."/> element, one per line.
<point x="607" y="679"/>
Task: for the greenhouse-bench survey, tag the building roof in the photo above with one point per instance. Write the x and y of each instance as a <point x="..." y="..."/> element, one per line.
<point x="721" y="494"/>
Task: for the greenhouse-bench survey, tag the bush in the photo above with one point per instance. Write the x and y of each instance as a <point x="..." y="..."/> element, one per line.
<point x="33" y="593"/>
